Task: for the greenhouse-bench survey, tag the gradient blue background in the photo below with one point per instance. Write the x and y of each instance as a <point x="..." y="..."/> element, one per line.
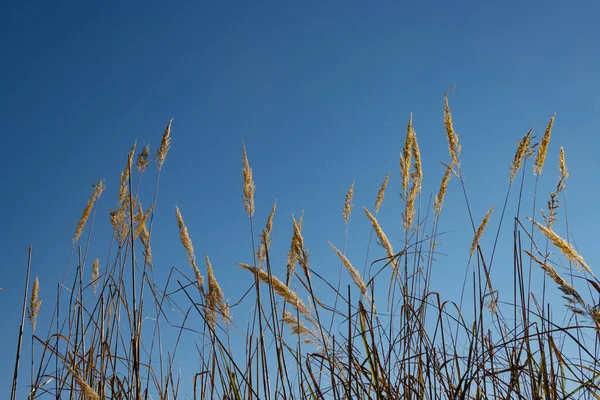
<point x="320" y="92"/>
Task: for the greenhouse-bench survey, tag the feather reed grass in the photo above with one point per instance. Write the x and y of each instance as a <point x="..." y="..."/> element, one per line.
<point x="380" y="194"/>
<point x="480" y="230"/>
<point x="564" y="246"/>
<point x="127" y="339"/>
<point x="543" y="149"/>
<point x="98" y="189"/>
<point x="348" y="206"/>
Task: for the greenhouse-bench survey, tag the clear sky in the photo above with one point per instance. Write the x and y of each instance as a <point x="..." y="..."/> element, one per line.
<point x="320" y="92"/>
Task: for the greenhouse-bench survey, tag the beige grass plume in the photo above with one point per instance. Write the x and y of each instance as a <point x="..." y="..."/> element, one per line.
<point x="439" y="198"/>
<point x="95" y="274"/>
<point x="405" y="157"/>
<point x="296" y="326"/>
<point x="248" y="184"/>
<point x="453" y="146"/>
<point x="34" y="304"/>
<point x="125" y="176"/>
<point x="265" y="243"/>
<point x="543" y="149"/>
<point x="142" y="160"/>
<point x="293" y="256"/>
<point x="280" y="288"/>
<point x="480" y="231"/>
<point x="215" y="299"/>
<point x="86" y="390"/>
<point x="418" y="167"/>
<point x="564" y="286"/>
<point x="348" y="206"/>
<point x="564" y="246"/>
<point x="564" y="173"/>
<point x="553" y="203"/>
<point x="98" y="189"/>
<point x="143" y="233"/>
<point x="354" y="274"/>
<point x="415" y="189"/>
<point x="189" y="248"/>
<point x="140" y="218"/>
<point x="380" y="234"/>
<point x="523" y="151"/>
<point x="381" y="193"/>
<point x="164" y="147"/>
<point x="300" y="250"/>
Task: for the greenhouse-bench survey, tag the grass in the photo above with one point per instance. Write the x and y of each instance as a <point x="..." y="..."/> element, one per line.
<point x="388" y="336"/>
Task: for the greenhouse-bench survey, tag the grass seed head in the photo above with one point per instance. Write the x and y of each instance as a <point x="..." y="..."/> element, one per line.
<point x="34" y="303"/>
<point x="381" y="193"/>
<point x="186" y="241"/>
<point x="142" y="160"/>
<point x="439" y="198"/>
<point x="354" y="274"/>
<point x="564" y="173"/>
<point x="453" y="146"/>
<point x="98" y="189"/>
<point x="564" y="246"/>
<point x="543" y="149"/>
<point x="165" y="145"/>
<point x="95" y="274"/>
<point x="348" y="206"/>
<point x="380" y="234"/>
<point x="405" y="157"/>
<point x="523" y="150"/>
<point x="280" y="288"/>
<point x="248" y="184"/>
<point x="480" y="231"/>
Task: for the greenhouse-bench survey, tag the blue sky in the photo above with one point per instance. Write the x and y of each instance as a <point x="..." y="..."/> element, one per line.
<point x="320" y="92"/>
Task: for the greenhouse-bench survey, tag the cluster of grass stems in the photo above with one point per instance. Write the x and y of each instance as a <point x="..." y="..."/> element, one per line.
<point x="111" y="332"/>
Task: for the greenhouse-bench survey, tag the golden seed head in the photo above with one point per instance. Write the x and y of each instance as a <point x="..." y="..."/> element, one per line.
<point x="165" y="145"/>
<point x="265" y="243"/>
<point x="300" y="251"/>
<point x="141" y="218"/>
<point x="186" y="241"/>
<point x="293" y="256"/>
<point x="354" y="274"/>
<point x="122" y="188"/>
<point x="86" y="389"/>
<point x="453" y="146"/>
<point x="565" y="287"/>
<point x="480" y="231"/>
<point x="348" y="206"/>
<point x="142" y="160"/>
<point x="130" y="159"/>
<point x="418" y="168"/>
<point x="415" y="189"/>
<point x="523" y="150"/>
<point x="95" y="274"/>
<point x="409" y="212"/>
<point x="125" y="176"/>
<point x="380" y="234"/>
<point x="34" y="303"/>
<point x="405" y="157"/>
<point x="296" y="326"/>
<point x="564" y="173"/>
<point x="280" y="288"/>
<point x="248" y="184"/>
<point x="215" y="299"/>
<point x="439" y="198"/>
<point x="381" y="193"/>
<point x="543" y="149"/>
<point x="269" y="226"/>
<point x="98" y="189"/>
<point x="564" y="246"/>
